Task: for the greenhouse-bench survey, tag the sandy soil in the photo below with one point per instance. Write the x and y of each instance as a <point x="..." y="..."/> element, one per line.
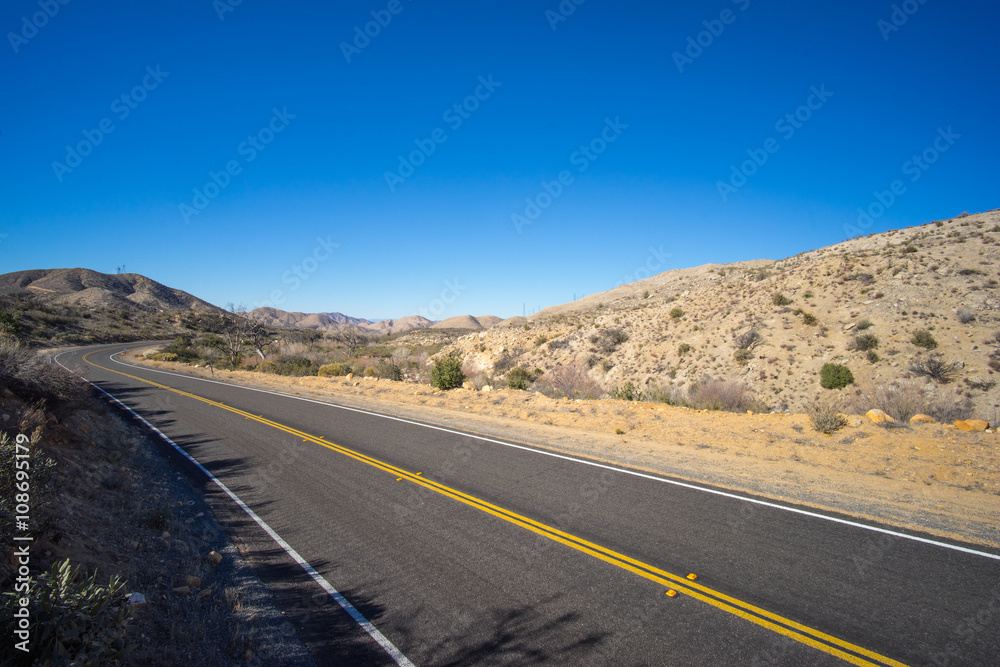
<point x="927" y="477"/>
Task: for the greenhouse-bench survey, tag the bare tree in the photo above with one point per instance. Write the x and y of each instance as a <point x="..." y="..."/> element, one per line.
<point x="259" y="337"/>
<point x="233" y="333"/>
<point x="351" y="338"/>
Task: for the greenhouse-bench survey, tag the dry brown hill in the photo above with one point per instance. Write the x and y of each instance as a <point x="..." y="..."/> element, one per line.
<point x="332" y="321"/>
<point x="91" y="289"/>
<point x="804" y="311"/>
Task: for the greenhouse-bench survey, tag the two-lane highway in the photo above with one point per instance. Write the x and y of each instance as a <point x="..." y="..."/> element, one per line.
<point x="446" y="548"/>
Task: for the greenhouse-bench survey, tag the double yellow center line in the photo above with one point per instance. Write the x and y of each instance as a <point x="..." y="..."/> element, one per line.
<point x="847" y="651"/>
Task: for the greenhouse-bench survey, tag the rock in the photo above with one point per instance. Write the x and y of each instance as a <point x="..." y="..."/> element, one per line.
<point x="192" y="581"/>
<point x="204" y="593"/>
<point x="5" y="416"/>
<point x="136" y="600"/>
<point x="850" y="326"/>
<point x="972" y="425"/>
<point x="350" y="376"/>
<point x="468" y="385"/>
<point x="487" y="388"/>
<point x="922" y="419"/>
<point x="183" y="590"/>
<point x="879" y="417"/>
<point x="214" y="557"/>
<point x="855" y="421"/>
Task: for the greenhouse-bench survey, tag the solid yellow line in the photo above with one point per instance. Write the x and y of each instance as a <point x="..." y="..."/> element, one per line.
<point x="784" y="626"/>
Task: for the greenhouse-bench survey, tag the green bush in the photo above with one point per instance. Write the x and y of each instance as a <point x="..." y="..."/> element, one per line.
<point x="826" y="420"/>
<point x="520" y="378"/>
<point x="742" y="356"/>
<point x="292" y="366"/>
<point x="608" y="340"/>
<point x="447" y="373"/>
<point x="627" y="392"/>
<point x="541" y="340"/>
<point x="835" y="376"/>
<point x="781" y="300"/>
<point x="335" y="370"/>
<point x="808" y="318"/>
<point x="74" y="622"/>
<point x="676" y="313"/>
<point x="683" y="349"/>
<point x="864" y="324"/>
<point x="873" y="356"/>
<point x="162" y="356"/>
<point x="924" y="339"/>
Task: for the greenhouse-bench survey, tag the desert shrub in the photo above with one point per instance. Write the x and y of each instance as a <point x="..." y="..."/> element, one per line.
<point x="42" y="477"/>
<point x="748" y="340"/>
<point x="835" y="376"/>
<point x="863" y="342"/>
<point x="808" y="318"/>
<point x="520" y="378"/>
<point x="182" y="349"/>
<point x="742" y="356"/>
<point x="74" y="622"/>
<point x="31" y="376"/>
<point x="873" y="357"/>
<point x="904" y="398"/>
<point x="718" y="394"/>
<point x="608" y="340"/>
<point x="161" y="356"/>
<point x="290" y="366"/>
<point x="627" y="392"/>
<point x="825" y="419"/>
<point x="676" y="313"/>
<point x="780" y="299"/>
<point x="909" y="248"/>
<point x="447" y="373"/>
<point x="385" y="370"/>
<point x="683" y="349"/>
<point x="808" y="295"/>
<point x="935" y="368"/>
<point x="924" y="339"/>
<point x="558" y="343"/>
<point x="570" y="382"/>
<point x="504" y="363"/>
<point x="541" y="340"/>
<point x="335" y="370"/>
<point x="864" y="324"/>
<point x="965" y="315"/>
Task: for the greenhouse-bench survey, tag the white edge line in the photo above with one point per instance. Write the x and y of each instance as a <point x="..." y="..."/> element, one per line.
<point x="389" y="647"/>
<point x="595" y="464"/>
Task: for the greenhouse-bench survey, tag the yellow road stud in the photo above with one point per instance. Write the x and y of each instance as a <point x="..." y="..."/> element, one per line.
<point x="671" y="593"/>
<point x="692" y="576"/>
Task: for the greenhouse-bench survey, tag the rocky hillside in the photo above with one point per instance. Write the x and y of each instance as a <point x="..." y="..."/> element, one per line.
<point x="923" y="298"/>
<point x="331" y="321"/>
<point x="130" y="292"/>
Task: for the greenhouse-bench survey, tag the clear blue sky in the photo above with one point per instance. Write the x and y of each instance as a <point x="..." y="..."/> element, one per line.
<point x="202" y="85"/>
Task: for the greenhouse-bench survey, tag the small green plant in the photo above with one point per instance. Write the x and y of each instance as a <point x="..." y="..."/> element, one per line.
<point x="863" y="342"/>
<point x="808" y="318"/>
<point x="935" y="368"/>
<point x="161" y="356"/>
<point x="835" y="376"/>
<point x="618" y="431"/>
<point x="742" y="356"/>
<point x="74" y="622"/>
<point x="385" y="370"/>
<point x="780" y="300"/>
<point x="541" y="340"/>
<point x="676" y="313"/>
<point x="808" y="295"/>
<point x="924" y="339"/>
<point x="335" y="370"/>
<point x="864" y="324"/>
<point x="683" y="349"/>
<point x="447" y="373"/>
<point x="627" y="392"/>
<point x="826" y="420"/>
<point x="520" y="378"/>
<point x="873" y="356"/>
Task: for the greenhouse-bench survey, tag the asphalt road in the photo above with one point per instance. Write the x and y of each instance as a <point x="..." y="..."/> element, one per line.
<point x="461" y="550"/>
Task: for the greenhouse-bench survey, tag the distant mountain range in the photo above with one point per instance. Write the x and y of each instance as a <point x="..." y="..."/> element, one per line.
<point x="134" y="292"/>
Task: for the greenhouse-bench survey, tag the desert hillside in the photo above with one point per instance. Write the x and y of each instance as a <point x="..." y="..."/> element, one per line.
<point x="91" y="289"/>
<point x="916" y="306"/>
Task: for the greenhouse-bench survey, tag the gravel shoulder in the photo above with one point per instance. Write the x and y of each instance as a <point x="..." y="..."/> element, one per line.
<point x="931" y="478"/>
